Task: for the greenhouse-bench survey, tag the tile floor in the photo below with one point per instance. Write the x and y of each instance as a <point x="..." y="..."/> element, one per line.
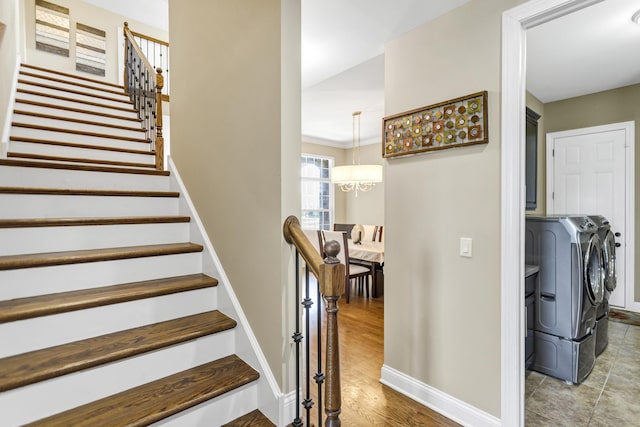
<point x="610" y="396"/>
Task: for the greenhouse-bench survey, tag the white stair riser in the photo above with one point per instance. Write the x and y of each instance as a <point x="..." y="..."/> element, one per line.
<point x="74" y="86"/>
<point x="62" y="393"/>
<point x="56" y="239"/>
<point x="26" y="282"/>
<point x="42" y="332"/>
<point x="53" y="110"/>
<point x="58" y="92"/>
<point x="217" y="411"/>
<point x="82" y="127"/>
<point x="59" y="206"/>
<point x="101" y="108"/>
<point x="51" y="135"/>
<point x="14" y="176"/>
<point x="76" y="389"/>
<point x="71" y="79"/>
<point x="80" y="153"/>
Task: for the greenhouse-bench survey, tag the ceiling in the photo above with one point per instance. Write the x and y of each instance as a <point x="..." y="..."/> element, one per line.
<point x="588" y="51"/>
<point x="594" y="49"/>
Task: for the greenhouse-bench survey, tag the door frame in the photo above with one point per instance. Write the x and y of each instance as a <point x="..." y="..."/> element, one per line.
<point x="629" y="160"/>
<point x="515" y="22"/>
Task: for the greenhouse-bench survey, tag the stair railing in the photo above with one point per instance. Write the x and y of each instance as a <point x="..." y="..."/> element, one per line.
<point x="331" y="284"/>
<point x="144" y="86"/>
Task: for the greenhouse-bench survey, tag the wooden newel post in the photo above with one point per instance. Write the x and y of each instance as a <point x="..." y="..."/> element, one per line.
<point x="332" y="278"/>
<point x="159" y="138"/>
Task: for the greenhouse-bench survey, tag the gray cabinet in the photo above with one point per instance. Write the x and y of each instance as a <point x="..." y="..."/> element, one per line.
<point x="531" y="162"/>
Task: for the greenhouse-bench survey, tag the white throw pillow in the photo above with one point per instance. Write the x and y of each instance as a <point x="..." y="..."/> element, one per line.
<point x="357" y="233"/>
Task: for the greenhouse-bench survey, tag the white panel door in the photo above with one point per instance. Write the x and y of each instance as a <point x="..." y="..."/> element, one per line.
<point x="588" y="178"/>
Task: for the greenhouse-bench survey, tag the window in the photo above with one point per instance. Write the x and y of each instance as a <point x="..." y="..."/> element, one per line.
<point x="317" y="192"/>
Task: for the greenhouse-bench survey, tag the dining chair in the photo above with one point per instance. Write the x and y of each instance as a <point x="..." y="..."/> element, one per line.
<point x="344" y="227"/>
<point x="362" y="275"/>
<point x="379" y="234"/>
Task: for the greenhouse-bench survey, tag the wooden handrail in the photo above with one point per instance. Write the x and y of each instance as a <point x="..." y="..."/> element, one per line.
<point x="331" y="275"/>
<point x="129" y="35"/>
<point x="294" y="235"/>
<point x="146" y="96"/>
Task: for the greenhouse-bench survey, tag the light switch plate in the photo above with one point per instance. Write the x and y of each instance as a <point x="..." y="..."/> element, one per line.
<point x="466" y="247"/>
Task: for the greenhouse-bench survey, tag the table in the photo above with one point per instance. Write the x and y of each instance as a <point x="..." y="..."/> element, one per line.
<point x="370" y="254"/>
<point x="367" y="251"/>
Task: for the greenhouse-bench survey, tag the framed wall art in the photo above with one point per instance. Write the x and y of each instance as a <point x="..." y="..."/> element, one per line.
<point x="454" y="123"/>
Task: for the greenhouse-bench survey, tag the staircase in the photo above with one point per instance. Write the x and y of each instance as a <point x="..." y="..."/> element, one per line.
<point x="111" y="311"/>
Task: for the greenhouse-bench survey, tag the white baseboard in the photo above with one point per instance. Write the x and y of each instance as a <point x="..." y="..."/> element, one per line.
<point x="635" y="307"/>
<point x="287" y="408"/>
<point x="437" y="400"/>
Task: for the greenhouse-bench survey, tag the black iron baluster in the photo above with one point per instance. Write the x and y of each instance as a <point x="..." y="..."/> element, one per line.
<point x="297" y="337"/>
<point x="307" y="303"/>
<point x="319" y="376"/>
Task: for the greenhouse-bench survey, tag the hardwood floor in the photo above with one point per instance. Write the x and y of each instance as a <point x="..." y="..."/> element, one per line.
<point x="365" y="401"/>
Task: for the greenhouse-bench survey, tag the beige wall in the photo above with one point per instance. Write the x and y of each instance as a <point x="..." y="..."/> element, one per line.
<point x="613" y="106"/>
<point x="87" y="14"/>
<point x="367" y="207"/>
<point x="235" y="132"/>
<point x="442" y="311"/>
<point x="541" y="182"/>
<point x="338" y="155"/>
<point x="9" y="50"/>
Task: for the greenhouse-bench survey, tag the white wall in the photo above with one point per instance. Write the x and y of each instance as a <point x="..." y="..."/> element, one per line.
<point x="87" y="14"/>
<point x="10" y="31"/>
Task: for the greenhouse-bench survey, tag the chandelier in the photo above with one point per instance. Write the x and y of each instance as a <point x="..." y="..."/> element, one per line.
<point x="356" y="176"/>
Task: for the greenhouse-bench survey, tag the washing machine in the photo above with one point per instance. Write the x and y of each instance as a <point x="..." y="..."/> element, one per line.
<point x="608" y="253"/>
<point x="567" y="250"/>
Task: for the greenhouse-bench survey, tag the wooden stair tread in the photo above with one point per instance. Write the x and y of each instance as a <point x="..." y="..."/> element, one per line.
<point x="69" y="82"/>
<point x="80" y="132"/>
<point x="77" y="145"/>
<point x="18" y="155"/>
<point x="75" y="222"/>
<point x="51" y="165"/>
<point x="11" y="262"/>
<point x="87" y="192"/>
<point x="148" y="403"/>
<point x="45" y="305"/>
<point x="39" y="365"/>
<point x="79" y="121"/>
<point x="76" y="110"/>
<point x="72" y="75"/>
<point x="75" y="92"/>
<point x="81" y="101"/>
<point x="252" y="419"/>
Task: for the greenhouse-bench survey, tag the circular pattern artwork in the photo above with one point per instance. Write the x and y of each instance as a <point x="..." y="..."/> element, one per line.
<point x="453" y="123"/>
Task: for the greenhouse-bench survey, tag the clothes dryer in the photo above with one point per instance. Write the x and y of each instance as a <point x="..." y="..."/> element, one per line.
<point x="608" y="254"/>
<point x="570" y="287"/>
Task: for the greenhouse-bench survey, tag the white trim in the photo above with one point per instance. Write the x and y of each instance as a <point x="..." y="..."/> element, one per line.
<point x="120" y="55"/>
<point x="629" y="130"/>
<point x="269" y="401"/>
<point x="514" y="23"/>
<point x="4" y="138"/>
<point x="288" y="406"/>
<point x="452" y="408"/>
<point x="347" y="145"/>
